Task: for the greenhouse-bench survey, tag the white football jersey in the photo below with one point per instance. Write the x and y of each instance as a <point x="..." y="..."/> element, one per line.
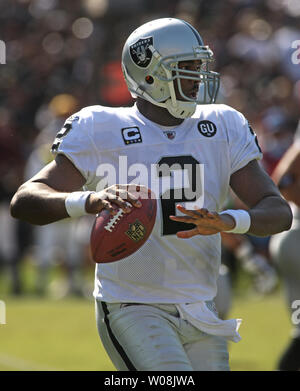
<point x="189" y="164"/>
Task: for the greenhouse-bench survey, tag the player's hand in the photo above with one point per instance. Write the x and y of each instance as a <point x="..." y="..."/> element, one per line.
<point x="206" y="223"/>
<point x="122" y="196"/>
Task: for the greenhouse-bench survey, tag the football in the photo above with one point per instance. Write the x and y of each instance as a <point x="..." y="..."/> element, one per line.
<point x="116" y="237"/>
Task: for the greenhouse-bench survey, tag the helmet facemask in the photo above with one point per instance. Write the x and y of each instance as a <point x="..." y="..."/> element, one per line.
<point x="184" y="106"/>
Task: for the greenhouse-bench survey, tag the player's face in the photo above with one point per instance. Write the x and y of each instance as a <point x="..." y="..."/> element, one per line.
<point x="189" y="87"/>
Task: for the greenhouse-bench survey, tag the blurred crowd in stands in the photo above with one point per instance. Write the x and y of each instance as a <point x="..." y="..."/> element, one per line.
<point x="62" y="55"/>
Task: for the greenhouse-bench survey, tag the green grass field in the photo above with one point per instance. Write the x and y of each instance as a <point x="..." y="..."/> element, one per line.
<point x="49" y="334"/>
<point x="44" y="334"/>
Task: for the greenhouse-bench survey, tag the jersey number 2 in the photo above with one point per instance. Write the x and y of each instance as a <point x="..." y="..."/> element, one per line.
<point x="190" y="174"/>
<point x="62" y="133"/>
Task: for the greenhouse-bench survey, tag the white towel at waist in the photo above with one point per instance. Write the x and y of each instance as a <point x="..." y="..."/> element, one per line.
<point x="202" y="316"/>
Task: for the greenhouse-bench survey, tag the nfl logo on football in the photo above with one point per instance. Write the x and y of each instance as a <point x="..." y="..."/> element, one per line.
<point x="136" y="231"/>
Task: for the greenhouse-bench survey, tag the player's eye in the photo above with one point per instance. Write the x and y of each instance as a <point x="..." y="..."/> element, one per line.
<point x="191" y="67"/>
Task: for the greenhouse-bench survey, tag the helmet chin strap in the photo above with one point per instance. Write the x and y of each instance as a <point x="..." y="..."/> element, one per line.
<point x="178" y="108"/>
<point x="181" y="109"/>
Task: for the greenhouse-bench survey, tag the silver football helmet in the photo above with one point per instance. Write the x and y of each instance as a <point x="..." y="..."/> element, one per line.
<point x="150" y="61"/>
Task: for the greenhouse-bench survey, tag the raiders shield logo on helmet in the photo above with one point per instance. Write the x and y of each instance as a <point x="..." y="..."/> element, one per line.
<point x="140" y="52"/>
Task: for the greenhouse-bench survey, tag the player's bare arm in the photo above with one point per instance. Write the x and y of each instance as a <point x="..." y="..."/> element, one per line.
<point x="41" y="200"/>
<point x="269" y="212"/>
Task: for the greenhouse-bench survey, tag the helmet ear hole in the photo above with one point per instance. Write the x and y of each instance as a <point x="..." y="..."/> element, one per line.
<point x="149" y="79"/>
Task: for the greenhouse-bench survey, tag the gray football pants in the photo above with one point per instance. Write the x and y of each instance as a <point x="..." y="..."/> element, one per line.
<point x="153" y="338"/>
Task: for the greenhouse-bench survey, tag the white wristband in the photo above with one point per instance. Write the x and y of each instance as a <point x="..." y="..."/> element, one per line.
<point x="242" y="220"/>
<point x="75" y="203"/>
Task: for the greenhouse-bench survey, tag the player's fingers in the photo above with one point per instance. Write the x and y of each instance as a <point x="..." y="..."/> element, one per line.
<point x="203" y="212"/>
<point x="127" y="197"/>
<point x="134" y="200"/>
<point x="128" y="192"/>
<point x="187" y="234"/>
<point x="186" y="211"/>
<point x="100" y="201"/>
<point x="183" y="219"/>
<point x="136" y="188"/>
<point x="213" y="215"/>
<point x="196" y="213"/>
<point x="132" y="187"/>
<point x="140" y="191"/>
<point x="112" y="191"/>
<point x="121" y="203"/>
<point x="106" y="205"/>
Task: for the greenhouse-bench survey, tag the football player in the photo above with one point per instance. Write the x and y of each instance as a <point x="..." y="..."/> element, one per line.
<point x="285" y="248"/>
<point x="155" y="308"/>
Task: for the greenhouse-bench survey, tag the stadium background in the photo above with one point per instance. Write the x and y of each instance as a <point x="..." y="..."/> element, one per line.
<point x="63" y="55"/>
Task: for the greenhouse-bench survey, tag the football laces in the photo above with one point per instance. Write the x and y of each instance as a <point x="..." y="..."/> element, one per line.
<point x="115" y="219"/>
